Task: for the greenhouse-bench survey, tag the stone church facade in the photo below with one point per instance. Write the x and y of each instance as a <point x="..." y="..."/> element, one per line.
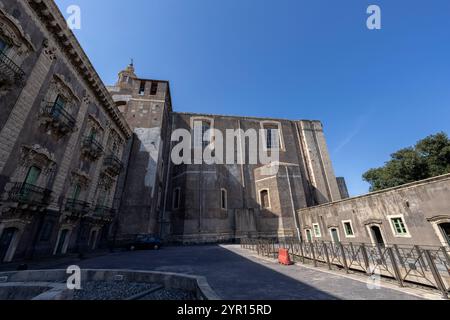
<point x="85" y="166"/>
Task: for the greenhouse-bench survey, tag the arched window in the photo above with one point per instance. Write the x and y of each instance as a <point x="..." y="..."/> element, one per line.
<point x="264" y="199"/>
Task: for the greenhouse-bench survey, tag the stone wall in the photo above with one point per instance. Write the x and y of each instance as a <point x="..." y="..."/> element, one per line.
<point x="423" y="206"/>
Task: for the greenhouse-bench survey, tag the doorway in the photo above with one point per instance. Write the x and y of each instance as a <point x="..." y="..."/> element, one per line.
<point x="308" y="235"/>
<point x="335" y="235"/>
<point x="5" y="242"/>
<point x="445" y="229"/>
<point x="61" y="242"/>
<point x="377" y="236"/>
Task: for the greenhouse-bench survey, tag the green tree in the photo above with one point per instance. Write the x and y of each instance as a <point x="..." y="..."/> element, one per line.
<point x="430" y="157"/>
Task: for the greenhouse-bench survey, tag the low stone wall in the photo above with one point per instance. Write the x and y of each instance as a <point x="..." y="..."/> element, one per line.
<point x="423" y="206"/>
<point x="50" y="284"/>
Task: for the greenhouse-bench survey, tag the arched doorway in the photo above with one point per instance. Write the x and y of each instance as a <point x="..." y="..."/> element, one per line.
<point x="335" y="235"/>
<point x="6" y="240"/>
<point x="377" y="236"/>
<point x="445" y="229"/>
<point x="308" y="235"/>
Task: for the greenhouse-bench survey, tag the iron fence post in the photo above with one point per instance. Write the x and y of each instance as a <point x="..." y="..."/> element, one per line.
<point x="325" y="250"/>
<point x="400" y="258"/>
<point x="365" y="258"/>
<point x="447" y="257"/>
<point x="313" y="254"/>
<point x="436" y="275"/>
<point x="397" y="273"/>
<point x="419" y="254"/>
<point x="344" y="258"/>
<point x="302" y="252"/>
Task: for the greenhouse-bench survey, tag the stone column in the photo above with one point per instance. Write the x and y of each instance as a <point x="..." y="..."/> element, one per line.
<point x="11" y="131"/>
<point x="64" y="167"/>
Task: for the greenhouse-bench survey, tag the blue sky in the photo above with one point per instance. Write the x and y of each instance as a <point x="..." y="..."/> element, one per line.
<point x="375" y="91"/>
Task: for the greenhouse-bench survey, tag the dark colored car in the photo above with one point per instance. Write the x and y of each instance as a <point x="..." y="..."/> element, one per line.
<point x="146" y="242"/>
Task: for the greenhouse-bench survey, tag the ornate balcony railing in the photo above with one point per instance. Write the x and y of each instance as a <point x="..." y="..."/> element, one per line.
<point x="11" y="70"/>
<point x="91" y="148"/>
<point x="60" y="119"/>
<point x="103" y="212"/>
<point x="77" y="207"/>
<point x="24" y="193"/>
<point x="113" y="165"/>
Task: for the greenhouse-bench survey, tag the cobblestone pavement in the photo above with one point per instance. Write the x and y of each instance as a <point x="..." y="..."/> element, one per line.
<point x="236" y="274"/>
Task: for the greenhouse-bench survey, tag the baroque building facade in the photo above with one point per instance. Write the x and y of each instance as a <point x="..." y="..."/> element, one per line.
<point x="83" y="165"/>
<point x="61" y="137"/>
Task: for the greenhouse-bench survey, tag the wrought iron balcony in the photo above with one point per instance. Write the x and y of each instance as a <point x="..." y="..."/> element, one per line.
<point x="113" y="165"/>
<point x="59" y="118"/>
<point x="103" y="212"/>
<point x="91" y="148"/>
<point x="23" y="193"/>
<point x="77" y="207"/>
<point x="10" y="71"/>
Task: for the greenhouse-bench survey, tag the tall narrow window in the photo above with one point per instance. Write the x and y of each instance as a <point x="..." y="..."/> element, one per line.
<point x="348" y="228"/>
<point x="272" y="135"/>
<point x="76" y="192"/>
<point x="142" y="88"/>
<point x="176" y="198"/>
<point x="223" y="199"/>
<point x="154" y="88"/>
<point x="265" y="201"/>
<point x="317" y="232"/>
<point x="33" y="175"/>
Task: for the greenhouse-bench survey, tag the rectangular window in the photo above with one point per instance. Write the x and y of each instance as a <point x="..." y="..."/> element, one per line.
<point x="348" y="229"/>
<point x="142" y="88"/>
<point x="399" y="226"/>
<point x="317" y="232"/>
<point x="273" y="138"/>
<point x="264" y="197"/>
<point x="33" y="175"/>
<point x="154" y="88"/>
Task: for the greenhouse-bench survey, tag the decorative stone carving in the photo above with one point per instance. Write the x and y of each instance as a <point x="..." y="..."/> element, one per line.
<point x="106" y="182"/>
<point x="81" y="178"/>
<point x="39" y="156"/>
<point x="59" y="120"/>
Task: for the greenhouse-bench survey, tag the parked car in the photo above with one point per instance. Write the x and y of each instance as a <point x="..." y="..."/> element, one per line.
<point x="146" y="242"/>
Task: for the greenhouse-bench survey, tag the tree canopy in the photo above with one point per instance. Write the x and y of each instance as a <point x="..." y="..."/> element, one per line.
<point x="430" y="157"/>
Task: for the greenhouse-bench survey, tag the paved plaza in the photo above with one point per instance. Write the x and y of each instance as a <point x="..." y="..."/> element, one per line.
<point x="237" y="274"/>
